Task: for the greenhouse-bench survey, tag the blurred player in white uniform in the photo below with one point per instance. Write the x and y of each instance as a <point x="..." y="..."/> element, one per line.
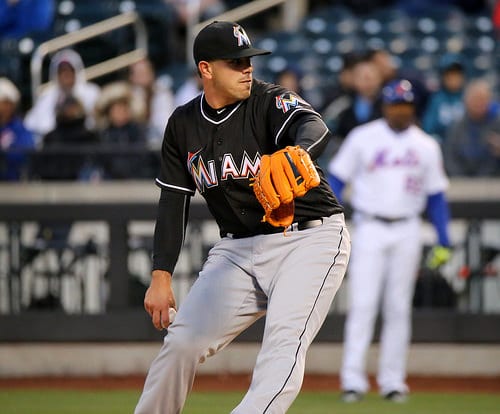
<point x="396" y="172"/>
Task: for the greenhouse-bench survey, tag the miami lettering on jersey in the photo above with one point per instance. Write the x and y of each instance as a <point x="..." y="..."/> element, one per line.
<point x="202" y="176"/>
<point x="287" y="101"/>
<point x="382" y="159"/>
<point x="204" y="173"/>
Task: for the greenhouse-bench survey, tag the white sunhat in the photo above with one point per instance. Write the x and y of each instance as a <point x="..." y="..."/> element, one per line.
<point x="8" y="91"/>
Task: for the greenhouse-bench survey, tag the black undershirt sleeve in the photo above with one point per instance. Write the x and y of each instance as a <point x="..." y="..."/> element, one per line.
<point x="311" y="133"/>
<point x="170" y="228"/>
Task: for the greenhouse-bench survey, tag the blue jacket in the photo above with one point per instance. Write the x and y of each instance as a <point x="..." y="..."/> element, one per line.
<point x="15" y="142"/>
<point x="443" y="109"/>
<point x="25" y="16"/>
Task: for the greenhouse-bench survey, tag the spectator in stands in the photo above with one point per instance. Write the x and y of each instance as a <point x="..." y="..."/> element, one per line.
<point x="119" y="120"/>
<point x="188" y="90"/>
<point x="472" y="146"/>
<point x="19" y="18"/>
<point x="366" y="102"/>
<point x="15" y="139"/>
<point x="120" y="126"/>
<point x="290" y="78"/>
<point x="199" y="10"/>
<point x="70" y="125"/>
<point x="388" y="68"/>
<point x="71" y="132"/>
<point x="156" y="97"/>
<point x="446" y="105"/>
<point x="340" y="97"/>
<point x="67" y="77"/>
<point x="187" y="13"/>
<point x="337" y="100"/>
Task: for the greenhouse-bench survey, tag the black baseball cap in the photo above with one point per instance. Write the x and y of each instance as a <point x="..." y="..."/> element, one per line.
<point x="223" y="40"/>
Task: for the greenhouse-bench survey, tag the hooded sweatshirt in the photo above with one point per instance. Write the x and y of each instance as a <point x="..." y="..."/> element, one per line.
<point x="41" y="118"/>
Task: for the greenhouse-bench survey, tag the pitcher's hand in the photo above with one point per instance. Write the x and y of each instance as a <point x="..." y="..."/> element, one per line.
<point x="159" y="299"/>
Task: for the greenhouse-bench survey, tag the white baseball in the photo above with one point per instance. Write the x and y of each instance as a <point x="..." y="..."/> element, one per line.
<point x="171" y="314"/>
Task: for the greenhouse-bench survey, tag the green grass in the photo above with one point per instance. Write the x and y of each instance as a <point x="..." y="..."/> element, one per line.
<point x="121" y="402"/>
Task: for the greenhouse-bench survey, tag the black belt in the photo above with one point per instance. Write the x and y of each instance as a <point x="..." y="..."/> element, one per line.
<point x="382" y="218"/>
<point x="303" y="225"/>
<point x="389" y="219"/>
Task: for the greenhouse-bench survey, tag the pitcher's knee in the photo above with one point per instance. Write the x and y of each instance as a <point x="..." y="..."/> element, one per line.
<point x="188" y="344"/>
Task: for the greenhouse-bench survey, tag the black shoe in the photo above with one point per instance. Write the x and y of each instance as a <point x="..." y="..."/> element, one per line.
<point x="396" y="397"/>
<point x="351" y="396"/>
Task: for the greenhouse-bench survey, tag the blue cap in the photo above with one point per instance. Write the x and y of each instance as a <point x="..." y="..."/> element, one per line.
<point x="398" y="91"/>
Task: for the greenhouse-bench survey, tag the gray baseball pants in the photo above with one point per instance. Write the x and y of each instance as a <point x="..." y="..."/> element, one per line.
<point x="292" y="279"/>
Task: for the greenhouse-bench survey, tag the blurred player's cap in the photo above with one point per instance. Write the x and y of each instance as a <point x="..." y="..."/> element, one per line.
<point x="223" y="40"/>
<point x="8" y="91"/>
<point x="398" y="91"/>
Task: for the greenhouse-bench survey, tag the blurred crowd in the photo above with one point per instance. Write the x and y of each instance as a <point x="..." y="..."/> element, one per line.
<point x="73" y="116"/>
<point x="462" y="114"/>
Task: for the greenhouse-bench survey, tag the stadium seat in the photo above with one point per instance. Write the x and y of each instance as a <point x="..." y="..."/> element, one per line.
<point x="10" y="64"/>
<point x="330" y="22"/>
<point x="416" y="59"/>
<point x="479" y="63"/>
<point x="391" y="20"/>
<point x="480" y="25"/>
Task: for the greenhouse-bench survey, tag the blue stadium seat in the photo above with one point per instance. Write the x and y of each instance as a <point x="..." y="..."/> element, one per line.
<point x="417" y="60"/>
<point x="478" y="63"/>
<point x="391" y="20"/>
<point x="394" y="42"/>
<point x="480" y="25"/>
<point x="284" y="41"/>
<point x="330" y="22"/>
<point x="10" y="64"/>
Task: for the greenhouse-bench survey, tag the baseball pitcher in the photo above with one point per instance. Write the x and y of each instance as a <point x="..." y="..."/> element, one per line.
<point x="248" y="147"/>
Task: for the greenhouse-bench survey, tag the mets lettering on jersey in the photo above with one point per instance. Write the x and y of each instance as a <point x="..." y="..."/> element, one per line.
<point x="205" y="176"/>
<point x="383" y="159"/>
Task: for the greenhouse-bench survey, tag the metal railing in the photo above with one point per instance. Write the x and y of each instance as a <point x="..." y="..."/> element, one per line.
<point x="110" y="65"/>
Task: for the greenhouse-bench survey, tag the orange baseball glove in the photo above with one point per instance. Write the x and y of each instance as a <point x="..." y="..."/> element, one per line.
<point x="283" y="176"/>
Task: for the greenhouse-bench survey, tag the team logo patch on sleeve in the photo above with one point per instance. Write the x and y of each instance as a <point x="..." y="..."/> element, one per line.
<point x="288" y="101"/>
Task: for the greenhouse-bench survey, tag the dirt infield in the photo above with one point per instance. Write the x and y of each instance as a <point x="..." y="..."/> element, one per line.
<point x="241" y="382"/>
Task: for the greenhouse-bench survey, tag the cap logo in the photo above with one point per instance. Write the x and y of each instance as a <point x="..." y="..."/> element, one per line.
<point x="240" y="34"/>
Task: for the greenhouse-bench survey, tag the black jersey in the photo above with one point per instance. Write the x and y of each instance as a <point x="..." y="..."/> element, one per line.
<point x="218" y="152"/>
